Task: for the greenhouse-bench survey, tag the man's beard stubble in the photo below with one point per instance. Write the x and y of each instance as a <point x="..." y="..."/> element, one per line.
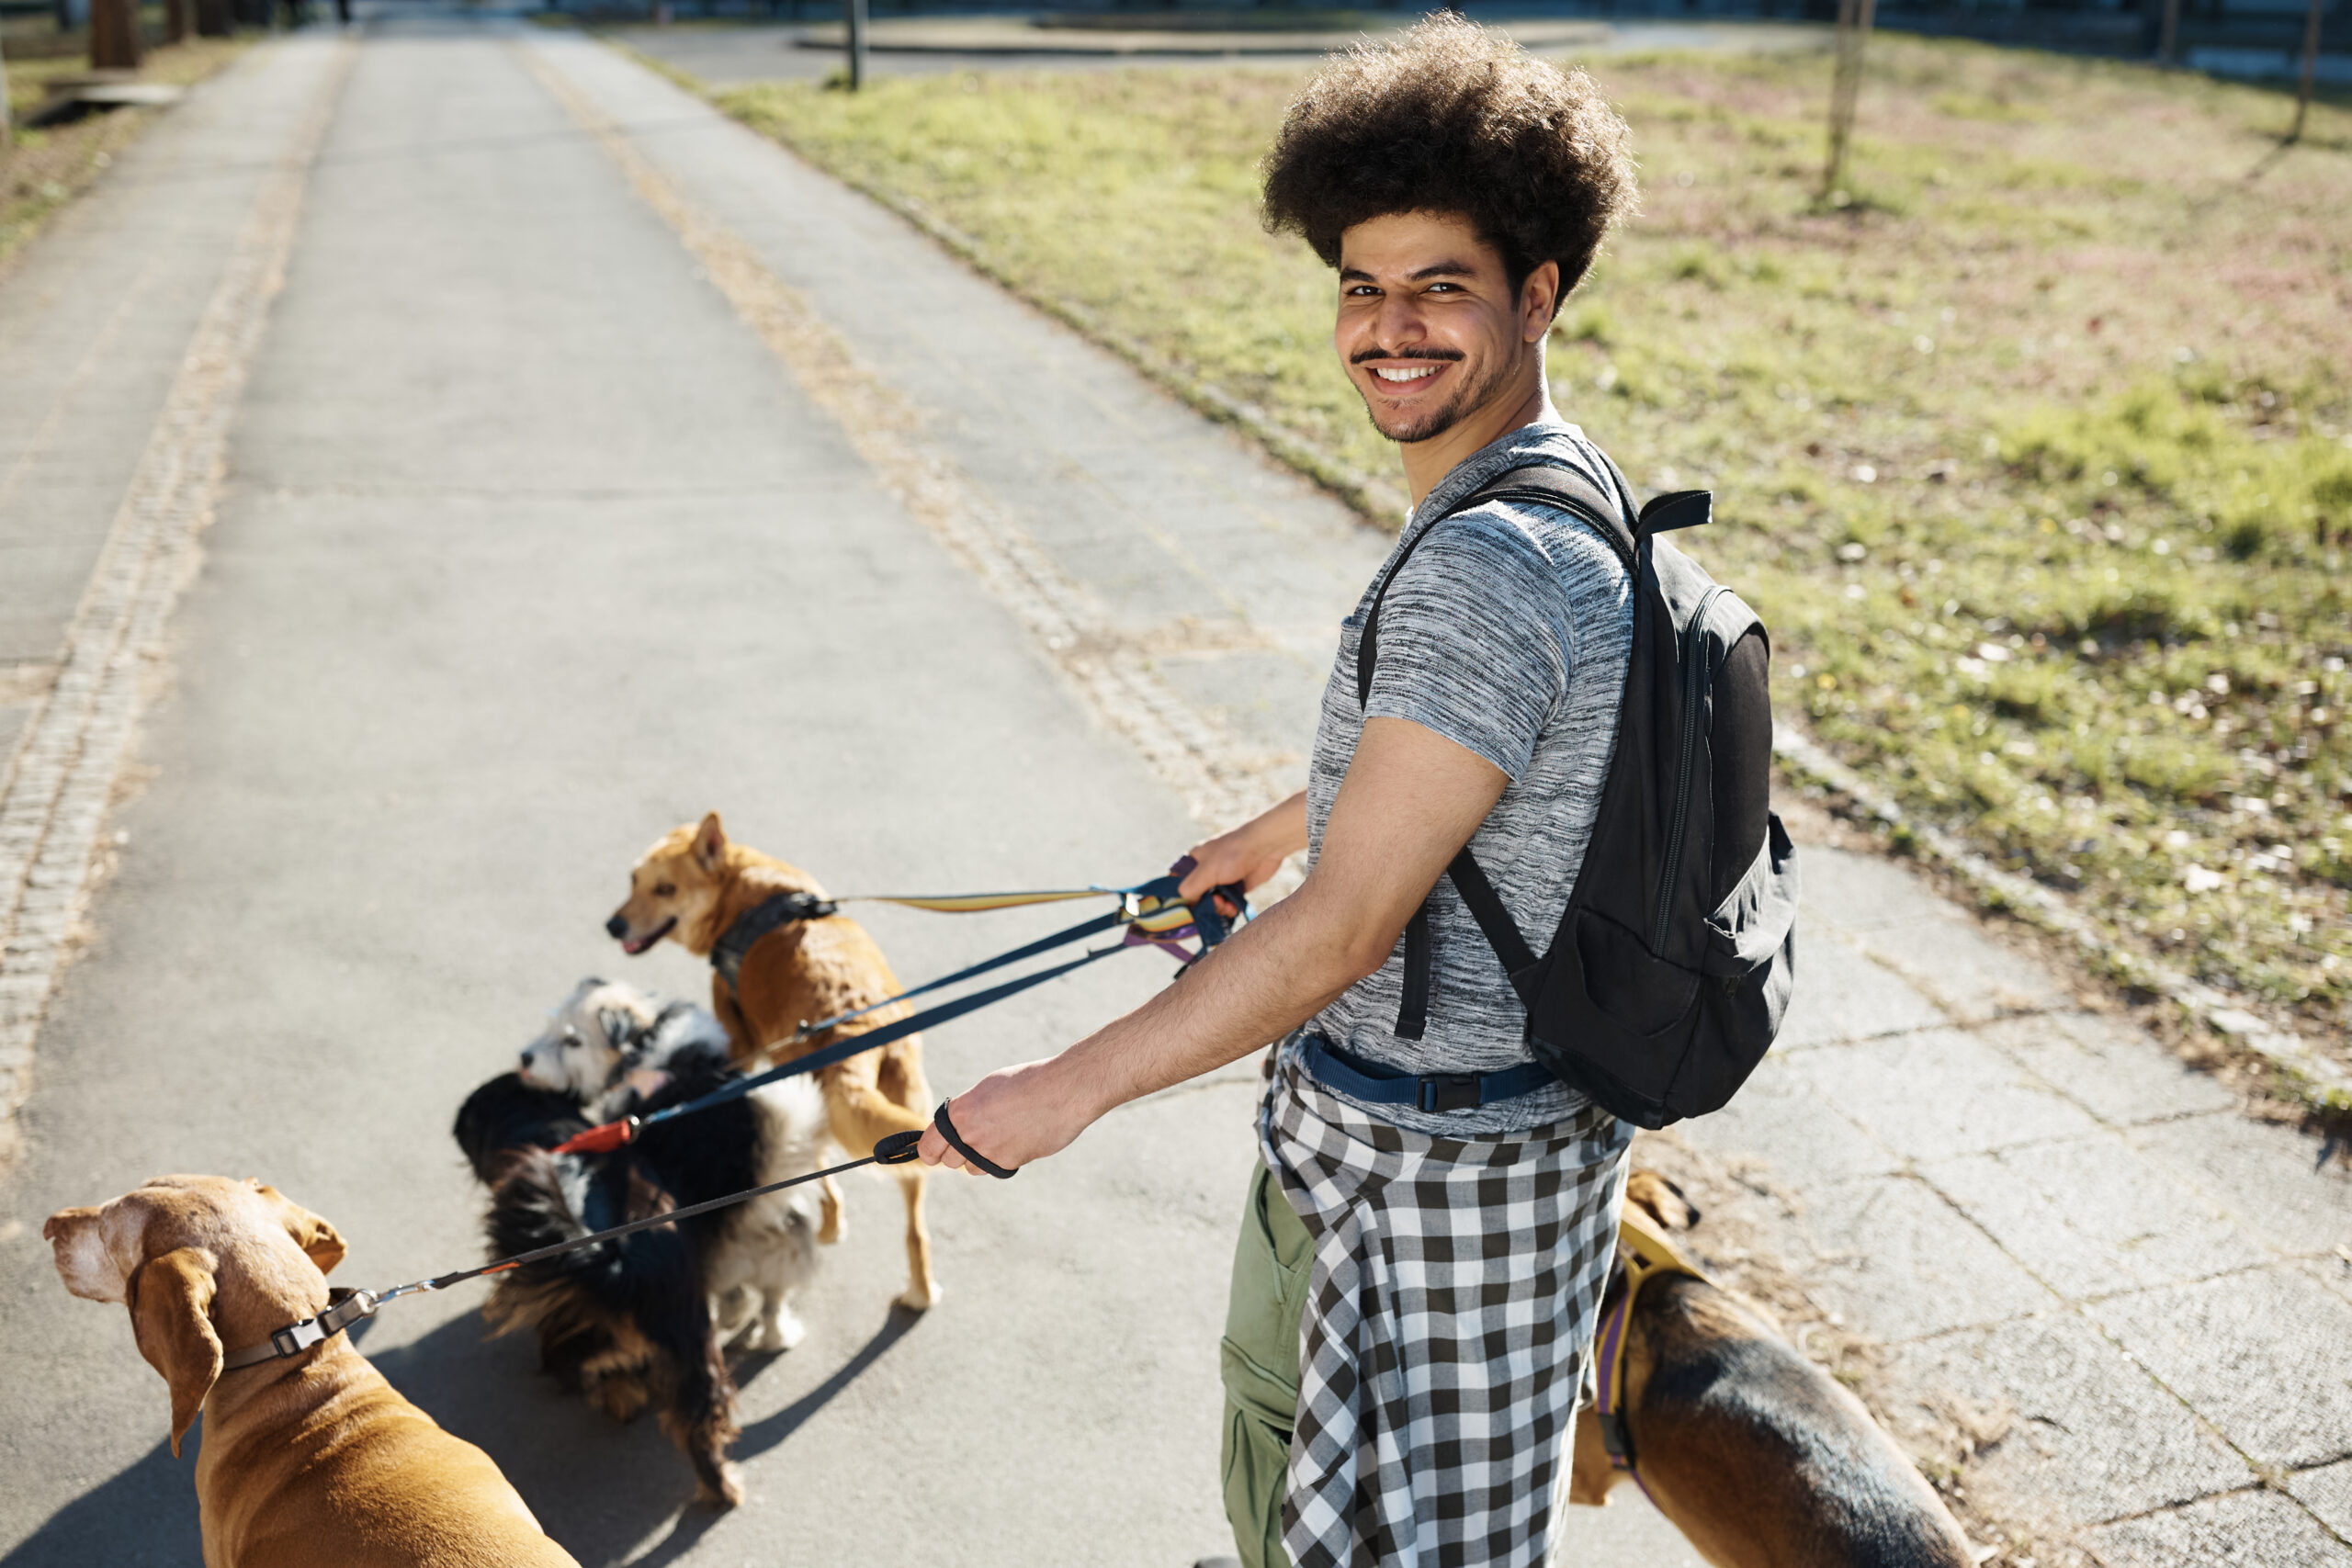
<point x="1437" y="423"/>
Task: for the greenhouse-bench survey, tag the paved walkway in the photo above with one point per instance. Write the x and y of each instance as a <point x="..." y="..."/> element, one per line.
<point x="600" y="463"/>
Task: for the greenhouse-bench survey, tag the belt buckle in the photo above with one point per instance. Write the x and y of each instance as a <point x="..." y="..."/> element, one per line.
<point x="1449" y="1091"/>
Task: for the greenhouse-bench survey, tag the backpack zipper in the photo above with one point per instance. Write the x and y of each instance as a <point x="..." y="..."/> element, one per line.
<point x="1693" y="686"/>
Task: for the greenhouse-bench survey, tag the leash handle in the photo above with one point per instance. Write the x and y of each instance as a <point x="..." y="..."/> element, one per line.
<point x="977" y="1160"/>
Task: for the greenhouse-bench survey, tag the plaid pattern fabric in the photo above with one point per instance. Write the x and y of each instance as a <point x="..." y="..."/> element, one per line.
<point x="1449" y="1313"/>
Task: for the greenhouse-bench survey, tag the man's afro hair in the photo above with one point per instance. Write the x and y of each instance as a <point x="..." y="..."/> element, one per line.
<point x="1450" y="118"/>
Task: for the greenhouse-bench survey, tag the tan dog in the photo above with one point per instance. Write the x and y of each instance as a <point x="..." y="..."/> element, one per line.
<point x="690" y="887"/>
<point x="307" y="1460"/>
<point x="1758" y="1456"/>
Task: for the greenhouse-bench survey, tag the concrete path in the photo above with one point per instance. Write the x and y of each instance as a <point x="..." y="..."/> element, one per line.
<point x="600" y="463"/>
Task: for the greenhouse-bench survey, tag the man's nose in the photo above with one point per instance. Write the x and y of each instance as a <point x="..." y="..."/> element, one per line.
<point x="618" y="927"/>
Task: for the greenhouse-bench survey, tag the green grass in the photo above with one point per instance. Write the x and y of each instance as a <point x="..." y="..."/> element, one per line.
<point x="2035" y="452"/>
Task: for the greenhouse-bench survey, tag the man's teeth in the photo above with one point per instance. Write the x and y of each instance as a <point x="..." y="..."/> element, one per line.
<point x="1413" y="375"/>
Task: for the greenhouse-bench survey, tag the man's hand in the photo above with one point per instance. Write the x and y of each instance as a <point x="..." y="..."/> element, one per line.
<point x="1248" y="854"/>
<point x="1013" y="1116"/>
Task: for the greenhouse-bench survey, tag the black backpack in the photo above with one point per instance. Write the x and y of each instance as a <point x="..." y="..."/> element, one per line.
<point x="1668" y="974"/>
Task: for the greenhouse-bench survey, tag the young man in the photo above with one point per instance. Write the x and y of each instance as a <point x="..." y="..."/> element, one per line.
<point x="1423" y="1250"/>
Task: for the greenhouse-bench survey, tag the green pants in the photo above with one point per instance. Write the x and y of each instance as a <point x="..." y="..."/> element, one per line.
<point x="1261" y="1355"/>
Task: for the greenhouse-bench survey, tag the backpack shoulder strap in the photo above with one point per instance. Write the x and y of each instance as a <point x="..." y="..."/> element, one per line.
<point x="1540" y="484"/>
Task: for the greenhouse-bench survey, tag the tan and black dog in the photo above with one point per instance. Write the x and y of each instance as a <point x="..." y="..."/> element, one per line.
<point x="1760" y="1458"/>
<point x="691" y="888"/>
<point x="310" y="1458"/>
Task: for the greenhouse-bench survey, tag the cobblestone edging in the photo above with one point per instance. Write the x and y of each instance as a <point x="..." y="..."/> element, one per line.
<point x="1186" y="748"/>
<point x="63" y="776"/>
<point x="2304" y="1073"/>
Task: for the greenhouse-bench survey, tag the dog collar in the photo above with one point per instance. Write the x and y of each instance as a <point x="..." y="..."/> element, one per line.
<point x="345" y="1307"/>
<point x="727" y="955"/>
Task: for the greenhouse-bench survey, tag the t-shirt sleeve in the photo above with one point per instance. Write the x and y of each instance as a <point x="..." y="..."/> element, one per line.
<point x="1470" y="643"/>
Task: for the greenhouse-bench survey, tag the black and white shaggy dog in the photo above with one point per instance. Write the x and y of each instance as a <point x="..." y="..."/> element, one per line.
<point x="644" y="1321"/>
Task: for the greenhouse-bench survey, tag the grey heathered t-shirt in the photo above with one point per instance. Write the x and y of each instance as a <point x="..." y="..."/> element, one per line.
<point x="1507" y="633"/>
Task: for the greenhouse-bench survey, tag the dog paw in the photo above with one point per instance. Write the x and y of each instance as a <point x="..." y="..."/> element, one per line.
<point x="921" y="1298"/>
<point x="785" y="1331"/>
<point x="729" y="1493"/>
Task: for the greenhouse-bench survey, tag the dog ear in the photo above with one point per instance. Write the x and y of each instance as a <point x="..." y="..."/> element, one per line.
<point x="320" y="1241"/>
<point x="84" y="1262"/>
<point x="171" y="1297"/>
<point x="710" y="843"/>
<point x="1661" y="1200"/>
<point x="620" y="1026"/>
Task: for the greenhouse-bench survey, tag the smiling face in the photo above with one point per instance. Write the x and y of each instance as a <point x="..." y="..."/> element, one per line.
<point x="1431" y="331"/>
<point x="674" y="888"/>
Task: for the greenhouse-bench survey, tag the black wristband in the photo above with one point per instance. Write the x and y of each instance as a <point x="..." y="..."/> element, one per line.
<point x="977" y="1160"/>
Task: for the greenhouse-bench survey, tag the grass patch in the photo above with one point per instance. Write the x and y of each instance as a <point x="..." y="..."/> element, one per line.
<point x="46" y="169"/>
<point x="2037" y="454"/>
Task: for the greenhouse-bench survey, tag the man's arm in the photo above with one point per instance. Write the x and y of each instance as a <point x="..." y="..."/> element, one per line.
<point x="1411" y="799"/>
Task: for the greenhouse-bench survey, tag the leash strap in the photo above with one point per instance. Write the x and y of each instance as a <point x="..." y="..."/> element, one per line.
<point x="899" y="1148"/>
<point x="746" y="929"/>
<point x="979" y="1161"/>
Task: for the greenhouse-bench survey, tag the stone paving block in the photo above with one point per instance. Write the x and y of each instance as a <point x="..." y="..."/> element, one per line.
<point x="2267" y="1177"/>
<point x="1860" y="892"/>
<point x="2247" y="1530"/>
<point x="1781" y="1118"/>
<point x="2093" y="1216"/>
<point x="1894" y="1261"/>
<point x="2123" y="1074"/>
<point x="1971" y="977"/>
<point x="2265" y="1356"/>
<point x="1842" y="994"/>
<point x="2326" y="1491"/>
<point x="2089" y="1437"/>
<point x="1940" y="1093"/>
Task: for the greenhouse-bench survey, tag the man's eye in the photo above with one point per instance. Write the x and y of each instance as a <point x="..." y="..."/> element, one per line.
<point x="664" y="890"/>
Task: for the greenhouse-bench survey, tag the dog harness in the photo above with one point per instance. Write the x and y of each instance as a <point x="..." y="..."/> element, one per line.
<point x="1643" y="1254"/>
<point x="735" y="943"/>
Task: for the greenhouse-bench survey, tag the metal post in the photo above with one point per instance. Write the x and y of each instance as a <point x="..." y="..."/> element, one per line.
<point x="857" y="43"/>
<point x="2311" y="67"/>
<point x="2168" y="41"/>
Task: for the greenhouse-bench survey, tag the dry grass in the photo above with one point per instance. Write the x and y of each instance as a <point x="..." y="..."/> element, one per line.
<point x="45" y="169"/>
<point x="2036" y="452"/>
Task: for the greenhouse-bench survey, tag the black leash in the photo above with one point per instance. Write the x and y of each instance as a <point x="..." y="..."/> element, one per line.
<point x="347" y="1307"/>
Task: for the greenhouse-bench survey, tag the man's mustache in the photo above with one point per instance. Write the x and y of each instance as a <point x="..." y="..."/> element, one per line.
<point x="1366" y="355"/>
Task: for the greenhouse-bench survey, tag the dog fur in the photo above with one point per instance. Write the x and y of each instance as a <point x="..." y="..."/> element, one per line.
<point x="643" y="1322"/>
<point x="1760" y="1458"/>
<point x="308" y="1458"/>
<point x="688" y="888"/>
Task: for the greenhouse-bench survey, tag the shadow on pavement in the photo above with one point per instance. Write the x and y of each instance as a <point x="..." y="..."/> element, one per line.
<point x="601" y="1488"/>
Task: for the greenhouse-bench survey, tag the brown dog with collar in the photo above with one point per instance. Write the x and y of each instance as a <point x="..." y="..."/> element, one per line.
<point x="1758" y="1456"/>
<point x="309" y="1459"/>
<point x="691" y="888"/>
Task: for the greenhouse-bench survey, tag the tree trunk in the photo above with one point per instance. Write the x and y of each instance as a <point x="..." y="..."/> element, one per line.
<point x="176" y="21"/>
<point x="1853" y="31"/>
<point x="2168" y="41"/>
<point x="2311" y="68"/>
<point x="114" y="35"/>
<point x="212" y="19"/>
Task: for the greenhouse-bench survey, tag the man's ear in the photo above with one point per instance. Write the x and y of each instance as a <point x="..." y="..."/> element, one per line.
<point x="1540" y="297"/>
<point x="710" y="843"/>
<point x="171" y="1298"/>
<point x="320" y="1241"/>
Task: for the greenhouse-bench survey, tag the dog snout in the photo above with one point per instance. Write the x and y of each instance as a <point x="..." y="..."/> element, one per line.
<point x="618" y="927"/>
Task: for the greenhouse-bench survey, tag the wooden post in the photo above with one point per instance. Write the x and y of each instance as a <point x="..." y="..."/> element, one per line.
<point x="1853" y="31"/>
<point x="212" y="19"/>
<point x="2168" y="41"/>
<point x="114" y="35"/>
<point x="8" y="118"/>
<point x="176" y="21"/>
<point x="2311" y="68"/>
<point x="856" y="9"/>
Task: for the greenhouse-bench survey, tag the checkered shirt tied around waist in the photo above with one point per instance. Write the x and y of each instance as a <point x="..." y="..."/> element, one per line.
<point x="1450" y="1308"/>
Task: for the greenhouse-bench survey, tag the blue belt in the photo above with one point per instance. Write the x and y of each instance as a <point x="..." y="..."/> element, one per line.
<point x="1360" y="1080"/>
